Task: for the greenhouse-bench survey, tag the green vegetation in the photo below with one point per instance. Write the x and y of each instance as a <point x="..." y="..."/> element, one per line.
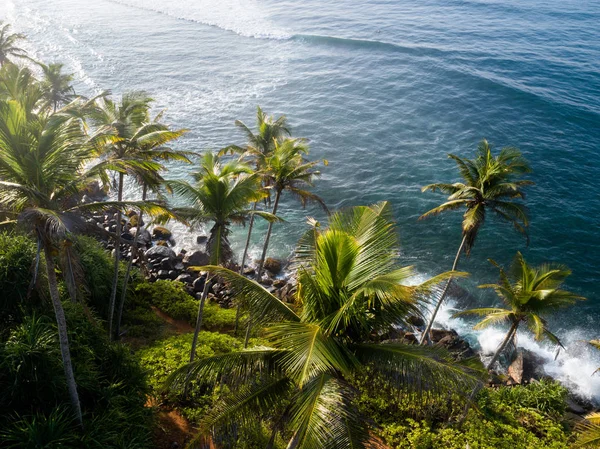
<point x="172" y="298"/>
<point x="329" y="367"/>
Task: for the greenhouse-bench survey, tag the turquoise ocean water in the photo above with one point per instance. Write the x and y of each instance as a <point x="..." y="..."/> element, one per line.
<point x="383" y="90"/>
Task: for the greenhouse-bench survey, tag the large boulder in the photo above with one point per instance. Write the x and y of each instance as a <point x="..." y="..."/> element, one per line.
<point x="196" y="259"/>
<point x="160" y="252"/>
<point x="272" y="265"/>
<point x="161" y="233"/>
<point x="144" y="237"/>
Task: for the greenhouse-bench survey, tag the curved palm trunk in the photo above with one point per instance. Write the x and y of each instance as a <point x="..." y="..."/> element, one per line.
<point x="61" y="324"/>
<point x="113" y="293"/>
<point x="268" y="237"/>
<point x="199" y="318"/>
<point x="262" y="258"/>
<point x="509" y="336"/>
<point x="134" y="250"/>
<point x="215" y="258"/>
<point x="426" y="337"/>
<point x="502" y="347"/>
<point x="250" y="226"/>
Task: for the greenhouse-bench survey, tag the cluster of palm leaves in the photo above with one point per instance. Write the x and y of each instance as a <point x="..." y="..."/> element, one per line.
<point x="351" y="288"/>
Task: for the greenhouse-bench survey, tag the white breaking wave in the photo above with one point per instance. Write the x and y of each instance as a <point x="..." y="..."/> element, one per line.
<point x="574" y="366"/>
<point x="244" y="17"/>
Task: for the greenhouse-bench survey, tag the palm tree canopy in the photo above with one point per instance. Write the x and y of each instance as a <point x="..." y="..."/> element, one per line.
<point x="528" y="293"/>
<point x="287" y="169"/>
<point x="488" y="183"/>
<point x="221" y="194"/>
<point x="19" y="84"/>
<point x="129" y="141"/>
<point x="260" y="144"/>
<point x="350" y="288"/>
<point x="8" y="44"/>
<point x="57" y="85"/>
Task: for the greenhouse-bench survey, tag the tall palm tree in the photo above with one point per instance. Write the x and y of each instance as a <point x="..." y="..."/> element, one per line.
<point x="259" y="146"/>
<point x="350" y="288"/>
<point x="57" y="85"/>
<point x="8" y="44"/>
<point x="41" y="163"/>
<point x="128" y="142"/>
<point x="489" y="184"/>
<point x="287" y="170"/>
<point x="222" y="195"/>
<point x="528" y="293"/>
<point x="150" y="146"/>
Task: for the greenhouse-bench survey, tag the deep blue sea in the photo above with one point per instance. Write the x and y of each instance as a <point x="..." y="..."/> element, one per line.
<point x="383" y="90"/>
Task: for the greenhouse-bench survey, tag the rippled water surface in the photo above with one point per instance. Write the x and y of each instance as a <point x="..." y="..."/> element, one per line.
<point x="384" y="90"/>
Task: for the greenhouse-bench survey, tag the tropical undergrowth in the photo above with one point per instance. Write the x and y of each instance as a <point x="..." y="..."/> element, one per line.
<point x="34" y="407"/>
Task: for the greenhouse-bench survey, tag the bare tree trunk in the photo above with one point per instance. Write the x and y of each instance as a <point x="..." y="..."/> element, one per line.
<point x="425" y="337"/>
<point x="507" y="339"/>
<point x="250" y="226"/>
<point x="61" y="323"/>
<point x="134" y="250"/>
<point x="113" y="293"/>
<point x="199" y="318"/>
<point x="268" y="237"/>
<point x="262" y="259"/>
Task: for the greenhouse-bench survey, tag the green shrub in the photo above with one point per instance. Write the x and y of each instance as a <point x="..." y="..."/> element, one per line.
<point x="524" y="417"/>
<point x="17" y="262"/>
<point x="164" y="357"/>
<point x="98" y="266"/>
<point x="112" y="387"/>
<point x="172" y="298"/>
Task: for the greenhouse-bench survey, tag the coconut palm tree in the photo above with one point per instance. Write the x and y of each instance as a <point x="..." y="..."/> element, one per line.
<point x="489" y="184"/>
<point x="222" y="195"/>
<point x="57" y="86"/>
<point x="41" y="164"/>
<point x="259" y="146"/>
<point x="350" y="288"/>
<point x="151" y="145"/>
<point x="529" y="293"/>
<point x="129" y="142"/>
<point x="8" y="44"/>
<point x="287" y="170"/>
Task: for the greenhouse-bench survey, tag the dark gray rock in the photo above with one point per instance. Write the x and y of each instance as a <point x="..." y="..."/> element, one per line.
<point x="201" y="240"/>
<point x="160" y="252"/>
<point x="166" y="263"/>
<point x="198" y="284"/>
<point x="185" y="278"/>
<point x="196" y="259"/>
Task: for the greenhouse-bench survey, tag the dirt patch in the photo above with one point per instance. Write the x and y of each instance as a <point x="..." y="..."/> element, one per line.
<point x="172" y="430"/>
<point x="176" y="326"/>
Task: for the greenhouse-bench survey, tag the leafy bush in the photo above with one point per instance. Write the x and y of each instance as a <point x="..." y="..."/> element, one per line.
<point x="17" y="261"/>
<point x="164" y="357"/>
<point x="98" y="266"/>
<point x="172" y="298"/>
<point x="111" y="384"/>
<point x="527" y="417"/>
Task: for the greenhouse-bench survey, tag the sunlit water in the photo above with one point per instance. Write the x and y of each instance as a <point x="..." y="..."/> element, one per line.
<point x="384" y="90"/>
